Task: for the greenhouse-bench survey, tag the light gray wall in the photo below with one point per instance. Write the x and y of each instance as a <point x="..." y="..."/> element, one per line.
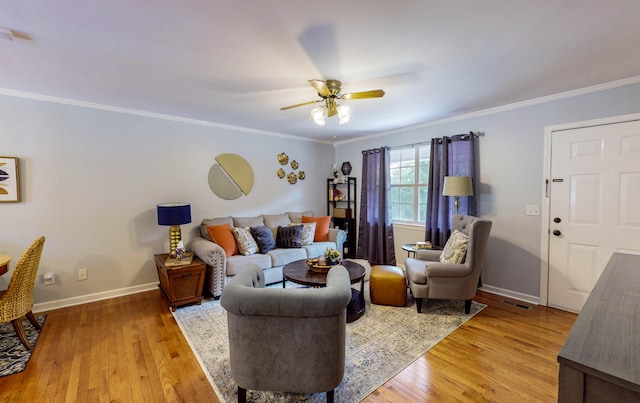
<point x="510" y="169"/>
<point x="91" y="180"/>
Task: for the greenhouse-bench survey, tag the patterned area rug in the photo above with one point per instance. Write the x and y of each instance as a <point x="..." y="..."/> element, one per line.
<point x="379" y="345"/>
<point x="13" y="356"/>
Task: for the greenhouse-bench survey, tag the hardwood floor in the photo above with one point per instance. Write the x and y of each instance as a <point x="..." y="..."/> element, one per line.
<point x="130" y="349"/>
<point x="127" y="349"/>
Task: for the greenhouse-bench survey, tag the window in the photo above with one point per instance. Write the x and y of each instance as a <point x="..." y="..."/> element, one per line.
<point x="409" y="182"/>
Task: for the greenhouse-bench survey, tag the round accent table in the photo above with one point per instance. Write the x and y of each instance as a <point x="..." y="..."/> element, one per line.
<point x="411" y="249"/>
<point x="299" y="272"/>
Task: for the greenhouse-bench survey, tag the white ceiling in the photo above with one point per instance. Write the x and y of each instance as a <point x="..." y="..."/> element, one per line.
<point x="237" y="62"/>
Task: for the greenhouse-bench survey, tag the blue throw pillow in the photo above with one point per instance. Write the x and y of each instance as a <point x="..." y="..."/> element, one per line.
<point x="289" y="237"/>
<point x="264" y="238"/>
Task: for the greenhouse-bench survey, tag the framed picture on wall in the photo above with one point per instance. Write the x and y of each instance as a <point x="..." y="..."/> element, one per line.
<point x="9" y="180"/>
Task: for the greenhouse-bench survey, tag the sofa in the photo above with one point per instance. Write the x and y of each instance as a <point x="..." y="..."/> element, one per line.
<point x="286" y="339"/>
<point x="223" y="262"/>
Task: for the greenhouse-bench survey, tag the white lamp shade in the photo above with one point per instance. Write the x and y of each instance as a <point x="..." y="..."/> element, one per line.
<point x="457" y="186"/>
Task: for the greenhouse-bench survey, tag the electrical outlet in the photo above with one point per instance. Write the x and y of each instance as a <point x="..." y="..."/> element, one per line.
<point x="533" y="209"/>
<point x="83" y="274"/>
<point x="49" y="278"/>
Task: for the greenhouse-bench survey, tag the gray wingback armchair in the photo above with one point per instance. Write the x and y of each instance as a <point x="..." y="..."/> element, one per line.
<point x="428" y="278"/>
<point x="286" y="340"/>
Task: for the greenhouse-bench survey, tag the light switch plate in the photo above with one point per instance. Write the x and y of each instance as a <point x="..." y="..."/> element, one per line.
<point x="533" y="209"/>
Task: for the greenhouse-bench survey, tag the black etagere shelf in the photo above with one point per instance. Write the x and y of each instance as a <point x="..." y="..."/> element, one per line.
<point x="341" y="206"/>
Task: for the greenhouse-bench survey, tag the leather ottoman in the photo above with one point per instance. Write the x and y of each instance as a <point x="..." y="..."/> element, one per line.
<point x="388" y="286"/>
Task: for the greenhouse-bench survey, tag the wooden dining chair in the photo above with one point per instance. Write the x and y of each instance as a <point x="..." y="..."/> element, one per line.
<point x="16" y="301"/>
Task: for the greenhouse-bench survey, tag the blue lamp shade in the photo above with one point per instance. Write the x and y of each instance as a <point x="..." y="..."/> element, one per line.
<point x="174" y="213"/>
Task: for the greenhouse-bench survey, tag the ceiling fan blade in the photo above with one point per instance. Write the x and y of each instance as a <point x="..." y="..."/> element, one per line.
<point x="363" y="94"/>
<point x="321" y="87"/>
<point x="284" y="108"/>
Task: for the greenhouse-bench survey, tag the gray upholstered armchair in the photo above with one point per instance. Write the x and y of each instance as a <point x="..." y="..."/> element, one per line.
<point x="429" y="278"/>
<point x="287" y="340"/>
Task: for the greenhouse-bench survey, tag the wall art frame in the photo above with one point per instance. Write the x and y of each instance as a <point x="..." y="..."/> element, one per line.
<point x="9" y="179"/>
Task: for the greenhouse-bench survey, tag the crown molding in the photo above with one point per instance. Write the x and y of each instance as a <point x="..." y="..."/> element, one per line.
<point x="504" y="108"/>
<point x="152" y="115"/>
<point x="173" y="118"/>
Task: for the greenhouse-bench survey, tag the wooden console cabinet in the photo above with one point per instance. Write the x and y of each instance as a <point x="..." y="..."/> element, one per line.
<point x="181" y="284"/>
<point x="600" y="359"/>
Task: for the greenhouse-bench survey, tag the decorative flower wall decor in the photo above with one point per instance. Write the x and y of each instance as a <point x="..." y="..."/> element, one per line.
<point x="292" y="178"/>
<point x="283" y="159"/>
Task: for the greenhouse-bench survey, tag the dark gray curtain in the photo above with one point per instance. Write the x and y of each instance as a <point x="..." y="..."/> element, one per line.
<point x="375" y="230"/>
<point x="450" y="156"/>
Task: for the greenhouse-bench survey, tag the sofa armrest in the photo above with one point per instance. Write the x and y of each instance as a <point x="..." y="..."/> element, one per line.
<point x="216" y="259"/>
<point x="339" y="236"/>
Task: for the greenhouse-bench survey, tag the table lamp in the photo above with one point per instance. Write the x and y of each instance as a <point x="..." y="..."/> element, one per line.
<point x="174" y="215"/>
<point x="457" y="186"/>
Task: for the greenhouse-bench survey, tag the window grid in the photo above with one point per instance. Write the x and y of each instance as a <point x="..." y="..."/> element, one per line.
<point x="409" y="172"/>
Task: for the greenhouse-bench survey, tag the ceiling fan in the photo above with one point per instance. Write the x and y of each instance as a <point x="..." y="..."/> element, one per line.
<point x="329" y="92"/>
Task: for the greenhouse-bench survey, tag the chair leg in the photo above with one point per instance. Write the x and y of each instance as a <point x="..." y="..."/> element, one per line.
<point x="242" y="395"/>
<point x="17" y="326"/>
<point x="330" y="395"/>
<point x="33" y="320"/>
<point x="467" y="306"/>
<point x="419" y="304"/>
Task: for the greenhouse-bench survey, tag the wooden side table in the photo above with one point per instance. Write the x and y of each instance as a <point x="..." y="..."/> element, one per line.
<point x="181" y="284"/>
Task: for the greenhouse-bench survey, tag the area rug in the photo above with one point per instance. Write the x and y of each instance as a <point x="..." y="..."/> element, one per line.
<point x="380" y="344"/>
<point x="13" y="356"/>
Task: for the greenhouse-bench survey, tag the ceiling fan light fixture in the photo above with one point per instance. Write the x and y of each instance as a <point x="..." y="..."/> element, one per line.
<point x="329" y="93"/>
<point x="344" y="113"/>
<point x="319" y="115"/>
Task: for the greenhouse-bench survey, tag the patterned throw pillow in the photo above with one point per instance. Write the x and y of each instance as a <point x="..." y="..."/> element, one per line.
<point x="308" y="232"/>
<point x="264" y="238"/>
<point x="455" y="249"/>
<point x="246" y="244"/>
<point x="289" y="237"/>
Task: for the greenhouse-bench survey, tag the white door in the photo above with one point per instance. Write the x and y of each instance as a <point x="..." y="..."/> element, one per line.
<point x="594" y="207"/>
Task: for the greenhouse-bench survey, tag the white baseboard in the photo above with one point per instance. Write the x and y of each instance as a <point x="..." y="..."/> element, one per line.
<point x="531" y="299"/>
<point x="99" y="296"/>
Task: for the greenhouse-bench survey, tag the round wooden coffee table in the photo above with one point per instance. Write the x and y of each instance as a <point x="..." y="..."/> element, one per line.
<point x="300" y="273"/>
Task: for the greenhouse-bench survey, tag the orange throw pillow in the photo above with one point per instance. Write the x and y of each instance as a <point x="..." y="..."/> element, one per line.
<point x="322" y="227"/>
<point x="223" y="236"/>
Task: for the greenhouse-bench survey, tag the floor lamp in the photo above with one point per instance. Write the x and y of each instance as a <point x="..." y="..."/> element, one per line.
<point x="457" y="186"/>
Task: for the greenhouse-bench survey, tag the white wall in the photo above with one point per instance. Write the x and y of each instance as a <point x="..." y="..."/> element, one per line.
<point x="510" y="170"/>
<point x="90" y="181"/>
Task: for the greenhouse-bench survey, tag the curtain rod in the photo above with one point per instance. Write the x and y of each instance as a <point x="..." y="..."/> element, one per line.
<point x="425" y="143"/>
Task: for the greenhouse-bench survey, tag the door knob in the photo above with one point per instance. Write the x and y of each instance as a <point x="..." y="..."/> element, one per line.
<point x="556" y="232"/>
<point x="557" y="220"/>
